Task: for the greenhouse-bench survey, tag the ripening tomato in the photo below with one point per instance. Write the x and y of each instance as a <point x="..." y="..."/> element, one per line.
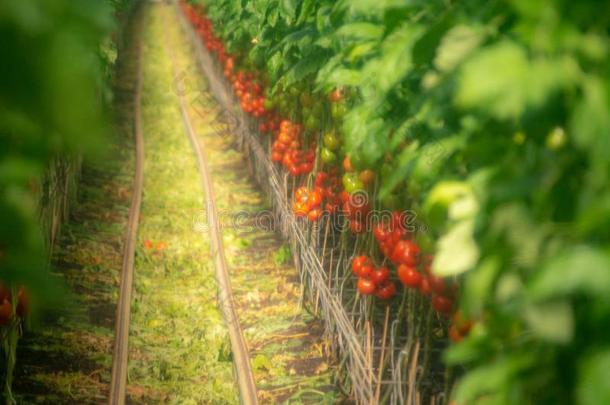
<point x="301" y="193"/>
<point x="359" y="262"/>
<point x="442" y="304"/>
<point x="335" y="96"/>
<point x="300" y="209"/>
<point x="23" y="302"/>
<point x="356" y="226"/>
<point x="148" y="244"/>
<point x="380" y="275"/>
<point x="386" y="290"/>
<point x="366" y="286"/>
<point x="347" y="164"/>
<point x="161" y="246"/>
<point x="367" y="176"/>
<point x="461" y="324"/>
<point x="454" y="334"/>
<point x="5" y="292"/>
<point x="314" y="214"/>
<point x="277" y="156"/>
<point x="6" y="312"/>
<point x="409" y="276"/>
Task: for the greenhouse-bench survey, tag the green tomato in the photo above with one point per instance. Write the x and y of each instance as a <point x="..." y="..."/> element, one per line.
<point x="331" y="141"/>
<point x="310" y="123"/>
<point x="338" y="110"/>
<point x="351" y="182"/>
<point x="269" y="104"/>
<point x="328" y="156"/>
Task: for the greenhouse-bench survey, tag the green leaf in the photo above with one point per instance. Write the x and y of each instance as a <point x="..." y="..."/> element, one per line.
<point x="487" y="381"/>
<point x="288" y="9"/>
<point x="361" y="31"/>
<point x="553" y="321"/>
<point x="590" y="121"/>
<point x="582" y="269"/>
<point x="456" y="45"/>
<point x="395" y="60"/>
<point x="425" y="47"/>
<point x="501" y="80"/>
<point x="440" y="199"/>
<point x="457" y="250"/>
<point x="593" y="371"/>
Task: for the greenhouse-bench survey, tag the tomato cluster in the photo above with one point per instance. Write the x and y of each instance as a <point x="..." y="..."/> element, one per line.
<point x="286" y="149"/>
<point x="203" y="26"/>
<point x="355" y="207"/>
<point x="330" y="186"/>
<point x="373" y="280"/>
<point x="250" y="93"/>
<point x="6" y="304"/>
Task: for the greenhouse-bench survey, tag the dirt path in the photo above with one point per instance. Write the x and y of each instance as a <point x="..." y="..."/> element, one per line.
<point x="287" y="351"/>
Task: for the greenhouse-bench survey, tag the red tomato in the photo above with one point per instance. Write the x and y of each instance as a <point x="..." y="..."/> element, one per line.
<point x="294" y="170"/>
<point x="148" y="244"/>
<point x="365" y="286"/>
<point x="386" y="291"/>
<point x="380" y="232"/>
<point x="359" y="262"/>
<point x="424" y="287"/>
<point x="366" y="272"/>
<point x="409" y="276"/>
<point x="344" y="196"/>
<point x="6" y="312"/>
<point x="437" y="284"/>
<point x="380" y="275"/>
<point x="442" y="304"/>
<point x="406" y="252"/>
<point x="305" y="168"/>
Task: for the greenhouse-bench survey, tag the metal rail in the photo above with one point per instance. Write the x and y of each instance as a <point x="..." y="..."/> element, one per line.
<point x="121" y="341"/>
<point x="241" y="357"/>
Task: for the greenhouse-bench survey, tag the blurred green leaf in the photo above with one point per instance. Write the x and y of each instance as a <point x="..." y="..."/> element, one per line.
<point x="553" y="321"/>
<point x="582" y="269"/>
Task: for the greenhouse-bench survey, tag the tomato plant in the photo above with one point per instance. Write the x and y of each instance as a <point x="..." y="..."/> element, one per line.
<point x="489" y="120"/>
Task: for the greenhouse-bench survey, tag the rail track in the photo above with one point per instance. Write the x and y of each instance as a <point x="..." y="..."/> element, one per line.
<point x="120" y="355"/>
